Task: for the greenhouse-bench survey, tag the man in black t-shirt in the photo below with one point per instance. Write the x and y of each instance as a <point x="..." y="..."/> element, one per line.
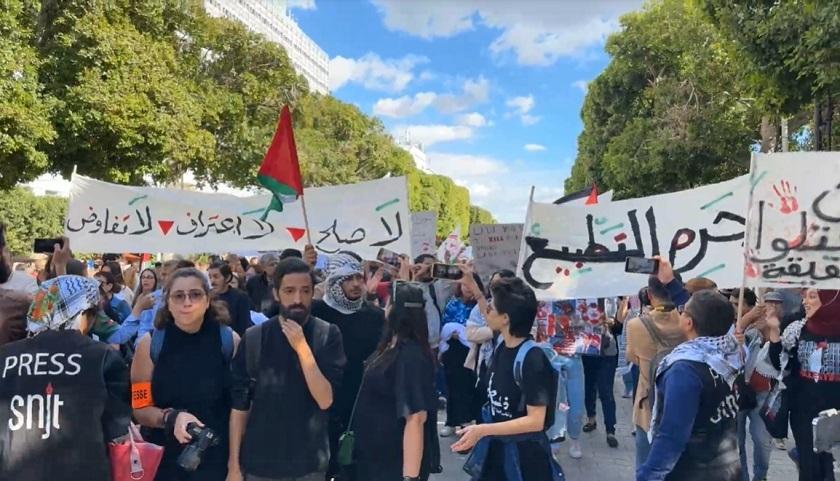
<point x="519" y="403"/>
<point x="285" y="374"/>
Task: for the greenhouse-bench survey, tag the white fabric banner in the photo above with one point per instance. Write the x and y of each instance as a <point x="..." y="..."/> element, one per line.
<point x="573" y="252"/>
<point x="495" y="247"/>
<point x="794" y="234"/>
<point x="363" y="217"/>
<point x="423" y="233"/>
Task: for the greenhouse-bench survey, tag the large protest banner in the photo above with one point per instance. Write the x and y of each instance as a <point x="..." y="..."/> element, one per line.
<point x="423" y="232"/>
<point x="364" y="217"/>
<point x="794" y="220"/>
<point x="495" y="247"/>
<point x="572" y="252"/>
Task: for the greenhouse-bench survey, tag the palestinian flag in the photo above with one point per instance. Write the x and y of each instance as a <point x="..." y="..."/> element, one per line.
<point x="280" y="170"/>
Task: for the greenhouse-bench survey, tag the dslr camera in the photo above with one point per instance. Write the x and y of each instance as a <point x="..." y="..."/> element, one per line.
<point x="202" y="438"/>
<point x="827" y="433"/>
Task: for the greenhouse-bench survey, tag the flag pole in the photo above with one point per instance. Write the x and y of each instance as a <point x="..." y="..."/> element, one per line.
<point x="305" y="219"/>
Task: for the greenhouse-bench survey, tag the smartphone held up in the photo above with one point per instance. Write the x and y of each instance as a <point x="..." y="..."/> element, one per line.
<point x="641" y="265"/>
<point x="446" y="271"/>
<point x="46" y="246"/>
<point x="389" y="257"/>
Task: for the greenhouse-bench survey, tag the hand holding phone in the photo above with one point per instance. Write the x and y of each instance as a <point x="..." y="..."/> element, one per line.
<point x="46" y="246"/>
<point x="389" y="257"/>
<point x="446" y="271"/>
<point x="641" y="265"/>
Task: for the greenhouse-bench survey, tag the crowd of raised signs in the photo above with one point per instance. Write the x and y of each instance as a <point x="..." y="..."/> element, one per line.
<point x="298" y="366"/>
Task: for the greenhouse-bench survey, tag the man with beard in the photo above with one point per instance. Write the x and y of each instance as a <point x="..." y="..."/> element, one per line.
<point x="361" y="325"/>
<point x="285" y="374"/>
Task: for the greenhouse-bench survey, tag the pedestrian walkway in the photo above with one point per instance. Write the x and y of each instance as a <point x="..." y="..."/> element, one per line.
<point x="600" y="462"/>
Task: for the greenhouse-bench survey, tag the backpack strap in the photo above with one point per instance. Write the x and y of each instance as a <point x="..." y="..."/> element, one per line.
<point x="226" y="334"/>
<point x="654" y="331"/>
<point x="320" y="334"/>
<point x="520" y="360"/>
<point x="253" y="349"/>
<point x="158" y="336"/>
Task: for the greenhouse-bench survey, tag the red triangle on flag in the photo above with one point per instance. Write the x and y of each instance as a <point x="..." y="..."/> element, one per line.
<point x="593" y="196"/>
<point x="165" y="225"/>
<point x="296" y="233"/>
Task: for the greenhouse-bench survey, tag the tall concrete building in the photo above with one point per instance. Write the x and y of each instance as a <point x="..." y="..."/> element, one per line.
<point x="271" y="18"/>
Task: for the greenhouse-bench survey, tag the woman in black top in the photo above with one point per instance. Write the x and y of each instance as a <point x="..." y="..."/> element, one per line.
<point x="188" y="381"/>
<point x="397" y="405"/>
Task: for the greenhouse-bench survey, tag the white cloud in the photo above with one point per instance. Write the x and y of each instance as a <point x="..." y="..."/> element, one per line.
<point x="429" y="135"/>
<point x="464" y="167"/>
<point x="472" y="119"/>
<point x="373" y="72"/>
<point x="405" y="106"/>
<point x="534" y="148"/>
<point x="302" y="4"/>
<point x="581" y="84"/>
<point x="536" y="32"/>
<point x="474" y="91"/>
<point x="521" y="106"/>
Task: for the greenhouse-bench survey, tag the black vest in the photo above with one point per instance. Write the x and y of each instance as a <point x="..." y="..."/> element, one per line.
<point x="711" y="453"/>
<point x="55" y="408"/>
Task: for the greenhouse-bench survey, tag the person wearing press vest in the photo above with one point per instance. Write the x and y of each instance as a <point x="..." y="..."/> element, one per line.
<point x="361" y="325"/>
<point x="511" y="443"/>
<point x="694" y="424"/>
<point x="181" y="383"/>
<point x="395" y="420"/>
<point x="63" y="396"/>
<point x="285" y="375"/>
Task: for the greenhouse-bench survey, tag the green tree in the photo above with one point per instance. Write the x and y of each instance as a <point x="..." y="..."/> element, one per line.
<point x="28" y="217"/>
<point x="25" y="128"/>
<point x="479" y="215"/>
<point x="670" y="111"/>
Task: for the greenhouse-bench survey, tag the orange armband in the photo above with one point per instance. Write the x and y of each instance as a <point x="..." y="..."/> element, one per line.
<point x="141" y="395"/>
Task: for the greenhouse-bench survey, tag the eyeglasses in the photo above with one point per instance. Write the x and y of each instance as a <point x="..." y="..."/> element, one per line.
<point x="180" y="297"/>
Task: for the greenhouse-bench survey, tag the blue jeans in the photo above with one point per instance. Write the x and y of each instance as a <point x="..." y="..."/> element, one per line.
<point x="571" y="370"/>
<point x="599" y="379"/>
<point x="762" y="443"/>
<point x="642" y="447"/>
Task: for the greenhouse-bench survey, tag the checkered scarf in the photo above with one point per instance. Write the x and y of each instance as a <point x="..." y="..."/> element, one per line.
<point x="59" y="302"/>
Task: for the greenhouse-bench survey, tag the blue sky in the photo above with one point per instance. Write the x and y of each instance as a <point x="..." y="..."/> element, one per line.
<point x="492" y="88"/>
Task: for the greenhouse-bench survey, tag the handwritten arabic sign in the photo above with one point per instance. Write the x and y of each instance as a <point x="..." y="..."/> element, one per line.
<point x="362" y="217"/>
<point x="579" y="251"/>
<point x="495" y="247"/>
<point x="794" y="235"/>
<point x="423" y="231"/>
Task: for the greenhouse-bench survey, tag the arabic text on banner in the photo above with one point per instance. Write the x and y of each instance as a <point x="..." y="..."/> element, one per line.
<point x="363" y="218"/>
<point x="423" y="232"/>
<point x="573" y="252"/>
<point x="495" y="247"/>
<point x="794" y="236"/>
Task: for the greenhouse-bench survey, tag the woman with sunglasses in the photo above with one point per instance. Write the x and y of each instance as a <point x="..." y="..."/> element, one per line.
<point x="181" y="376"/>
<point x="395" y="418"/>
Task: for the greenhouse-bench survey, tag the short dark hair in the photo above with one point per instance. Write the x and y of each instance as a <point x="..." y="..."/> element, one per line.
<point x="422" y="257"/>
<point x="185" y="264"/>
<point x="503" y="274"/>
<point x="292" y="265"/>
<point x="750" y="298"/>
<point x="657" y="292"/>
<point x="224" y="269"/>
<point x="244" y="263"/>
<point x="713" y="314"/>
<point x="75" y="267"/>
<point x="699" y="284"/>
<point x="290" y="253"/>
<point x="516" y="299"/>
<point x="644" y="297"/>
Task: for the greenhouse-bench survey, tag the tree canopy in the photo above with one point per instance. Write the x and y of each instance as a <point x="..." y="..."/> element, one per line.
<point x="133" y="89"/>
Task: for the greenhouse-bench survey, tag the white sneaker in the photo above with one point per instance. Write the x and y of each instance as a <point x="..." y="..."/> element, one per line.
<point x="574" y="450"/>
<point x="446" y="431"/>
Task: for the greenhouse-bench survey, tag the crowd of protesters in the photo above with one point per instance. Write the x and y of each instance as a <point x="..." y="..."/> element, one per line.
<point x="279" y="370"/>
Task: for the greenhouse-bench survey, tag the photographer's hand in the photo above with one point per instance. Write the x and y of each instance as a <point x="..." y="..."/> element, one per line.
<point x="184" y="418"/>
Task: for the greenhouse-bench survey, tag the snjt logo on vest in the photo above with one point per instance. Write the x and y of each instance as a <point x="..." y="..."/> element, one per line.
<point x="39" y="411"/>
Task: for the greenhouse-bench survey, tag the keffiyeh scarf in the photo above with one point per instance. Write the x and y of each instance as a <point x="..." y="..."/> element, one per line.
<point x="721" y="354"/>
<point x="339" y="268"/>
<point x="59" y="302"/>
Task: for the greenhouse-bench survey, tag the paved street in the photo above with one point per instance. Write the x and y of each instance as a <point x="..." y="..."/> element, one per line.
<point x="600" y="462"/>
